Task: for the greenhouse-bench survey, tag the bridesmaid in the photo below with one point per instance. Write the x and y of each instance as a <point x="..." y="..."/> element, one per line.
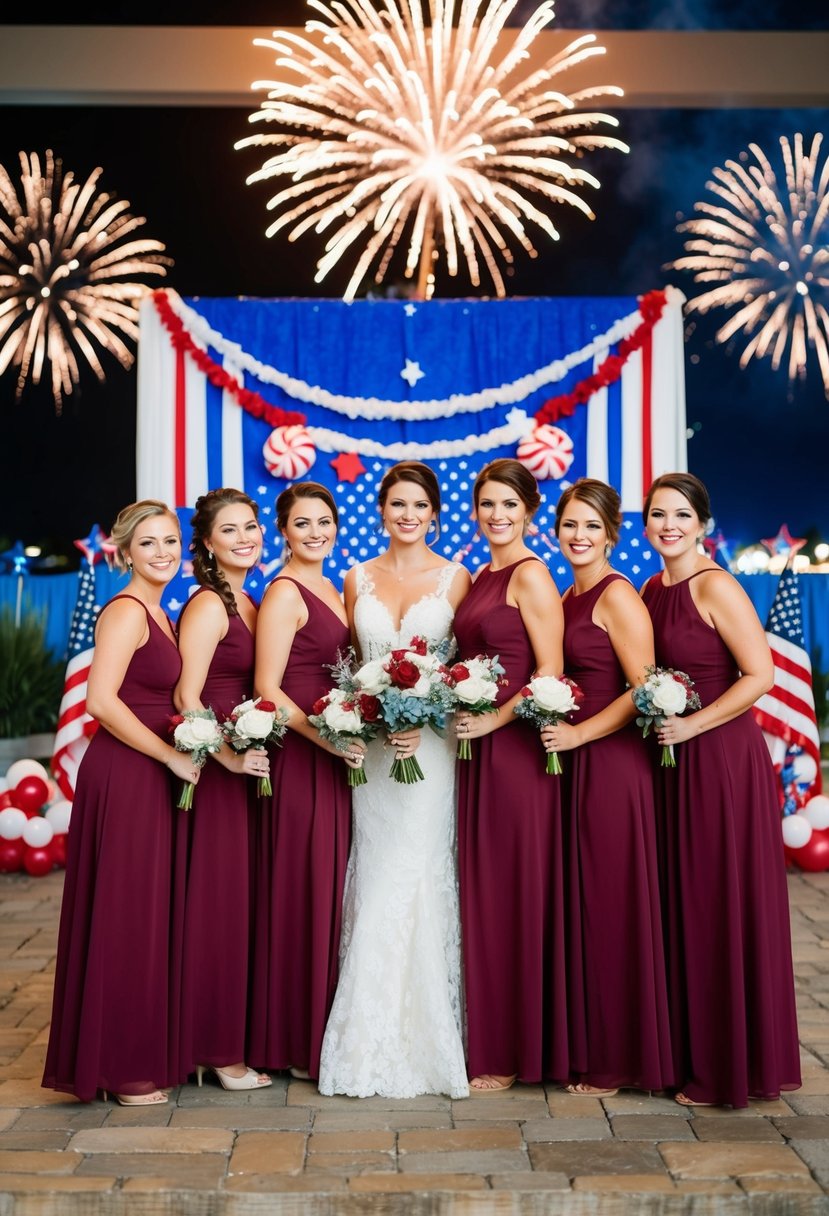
<point x="509" y="811"/>
<point x="620" y="1033"/>
<point x="216" y="630"/>
<point x="305" y="829"/>
<point x="730" y="960"/>
<point x="114" y="1016"/>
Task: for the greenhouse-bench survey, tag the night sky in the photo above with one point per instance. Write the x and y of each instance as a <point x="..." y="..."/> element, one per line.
<point x="760" y="444"/>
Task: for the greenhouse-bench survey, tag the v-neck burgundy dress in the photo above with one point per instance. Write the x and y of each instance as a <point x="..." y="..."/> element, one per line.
<point x="302" y="845"/>
<point x="115" y="1014"/>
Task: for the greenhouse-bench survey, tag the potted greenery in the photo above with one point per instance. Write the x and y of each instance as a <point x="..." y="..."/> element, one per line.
<point x="31" y="686"/>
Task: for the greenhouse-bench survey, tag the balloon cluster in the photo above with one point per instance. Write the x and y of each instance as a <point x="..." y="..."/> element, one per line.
<point x="805" y="815"/>
<point x="34" y="820"/>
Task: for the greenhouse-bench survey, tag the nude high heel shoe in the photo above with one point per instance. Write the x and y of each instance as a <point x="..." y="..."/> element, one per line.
<point x="250" y="1080"/>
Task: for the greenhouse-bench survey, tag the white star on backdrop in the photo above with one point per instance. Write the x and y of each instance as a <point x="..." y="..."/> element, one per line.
<point x="411" y="373"/>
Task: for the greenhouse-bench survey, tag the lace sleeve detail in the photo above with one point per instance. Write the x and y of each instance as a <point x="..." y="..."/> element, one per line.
<point x="364" y="583"/>
<point x="445" y="579"/>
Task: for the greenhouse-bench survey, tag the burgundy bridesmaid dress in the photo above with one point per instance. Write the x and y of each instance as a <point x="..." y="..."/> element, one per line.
<point x="731" y="982"/>
<point x="511" y="866"/>
<point x="303" y="842"/>
<point x="619" y="1024"/>
<point x="218" y="832"/>
<point x="115" y="1013"/>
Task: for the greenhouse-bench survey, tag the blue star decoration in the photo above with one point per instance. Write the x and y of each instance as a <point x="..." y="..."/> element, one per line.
<point x="15" y="560"/>
<point x="784" y="543"/>
<point x="92" y="546"/>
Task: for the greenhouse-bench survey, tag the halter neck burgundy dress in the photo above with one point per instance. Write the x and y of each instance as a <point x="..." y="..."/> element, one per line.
<point x="619" y="1025"/>
<point x="511" y="865"/>
<point x="731" y="981"/>
<point x="218" y="830"/>
<point x="302" y="844"/>
<point x="115" y="1013"/>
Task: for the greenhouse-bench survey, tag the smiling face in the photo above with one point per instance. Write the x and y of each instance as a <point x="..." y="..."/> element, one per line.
<point x="310" y="530"/>
<point x="501" y="513"/>
<point x="155" y="549"/>
<point x="407" y="512"/>
<point x="672" y="525"/>
<point x="582" y="535"/>
<point x="235" y="538"/>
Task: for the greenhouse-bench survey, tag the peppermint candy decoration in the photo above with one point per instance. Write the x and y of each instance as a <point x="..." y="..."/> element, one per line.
<point x="547" y="452"/>
<point x="289" y="452"/>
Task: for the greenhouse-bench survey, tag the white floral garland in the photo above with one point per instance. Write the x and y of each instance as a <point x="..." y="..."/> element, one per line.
<point x="517" y="426"/>
<point x="373" y="408"/>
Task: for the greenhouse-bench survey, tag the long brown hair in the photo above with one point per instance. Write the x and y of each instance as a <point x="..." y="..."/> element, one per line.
<point x="604" y="500"/>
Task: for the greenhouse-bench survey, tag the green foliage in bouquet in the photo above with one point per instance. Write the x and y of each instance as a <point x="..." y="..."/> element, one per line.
<point x="31" y="679"/>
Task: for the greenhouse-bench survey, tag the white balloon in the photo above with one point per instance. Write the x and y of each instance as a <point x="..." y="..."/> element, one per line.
<point x="12" y="822"/>
<point x="816" y="811"/>
<point x="38" y="832"/>
<point x="58" y="814"/>
<point x="805" y="769"/>
<point x="25" y="768"/>
<point x="797" y="831"/>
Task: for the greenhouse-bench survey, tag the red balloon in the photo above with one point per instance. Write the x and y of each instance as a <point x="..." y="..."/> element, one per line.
<point x="11" y="855"/>
<point x="30" y="793"/>
<point x="814" y="855"/>
<point x="58" y="848"/>
<point x="37" y="862"/>
<point x="7" y="799"/>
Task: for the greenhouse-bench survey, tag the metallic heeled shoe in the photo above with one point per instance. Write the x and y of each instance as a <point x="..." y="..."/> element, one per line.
<point x="250" y="1080"/>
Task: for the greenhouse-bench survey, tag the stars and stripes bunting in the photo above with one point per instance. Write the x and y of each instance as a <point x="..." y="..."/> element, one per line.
<point x="75" y="725"/>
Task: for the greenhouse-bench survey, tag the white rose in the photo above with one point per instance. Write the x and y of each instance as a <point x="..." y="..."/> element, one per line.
<point x="552" y="695"/>
<point x="670" y="697"/>
<point x="345" y="720"/>
<point x="371" y="677"/>
<point x="184" y="736"/>
<point x="254" y="724"/>
<point x="475" y="689"/>
<point x="245" y="706"/>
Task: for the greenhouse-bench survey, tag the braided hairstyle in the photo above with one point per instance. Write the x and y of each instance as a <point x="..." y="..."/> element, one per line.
<point x="205" y="570"/>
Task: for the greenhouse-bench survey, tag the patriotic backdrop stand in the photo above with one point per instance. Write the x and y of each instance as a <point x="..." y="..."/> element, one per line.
<point x="341" y="391"/>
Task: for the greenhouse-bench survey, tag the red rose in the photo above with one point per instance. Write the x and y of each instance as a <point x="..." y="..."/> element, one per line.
<point x="459" y="672"/>
<point x="319" y="706"/>
<point x="176" y="720"/>
<point x="369" y="707"/>
<point x="526" y="691"/>
<point x="418" y="646"/>
<point x="398" y="655"/>
<point x="406" y="674"/>
<point x="267" y="706"/>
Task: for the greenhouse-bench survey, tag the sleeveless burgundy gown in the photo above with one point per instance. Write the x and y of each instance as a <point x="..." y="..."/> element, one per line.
<point x="731" y="981"/>
<point x="303" y="841"/>
<point x="115" y="1012"/>
<point x="511" y="865"/>
<point x="619" y="1024"/>
<point x="218" y="832"/>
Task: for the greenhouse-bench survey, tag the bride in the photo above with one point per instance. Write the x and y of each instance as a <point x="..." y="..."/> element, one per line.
<point x="395" y="1028"/>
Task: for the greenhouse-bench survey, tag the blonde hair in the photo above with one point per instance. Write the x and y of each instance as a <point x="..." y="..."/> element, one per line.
<point x="130" y="518"/>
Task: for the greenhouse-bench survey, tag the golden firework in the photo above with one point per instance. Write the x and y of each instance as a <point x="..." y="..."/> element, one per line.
<point x="765" y="243"/>
<point x="424" y="129"/>
<point x="68" y="259"/>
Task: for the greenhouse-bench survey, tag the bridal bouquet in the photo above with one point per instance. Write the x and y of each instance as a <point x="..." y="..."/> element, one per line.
<point x="253" y="724"/>
<point x="547" y="700"/>
<point x="665" y="692"/>
<point x="196" y="732"/>
<point x="475" y="685"/>
<point x="412" y="685"/>
<point x="346" y="713"/>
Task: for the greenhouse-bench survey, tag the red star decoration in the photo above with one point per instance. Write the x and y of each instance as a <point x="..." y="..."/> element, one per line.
<point x="348" y="466"/>
<point x="784" y="542"/>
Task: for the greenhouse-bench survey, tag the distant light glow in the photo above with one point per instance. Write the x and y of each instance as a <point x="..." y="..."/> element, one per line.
<point x="398" y="130"/>
<point x="74" y="248"/>
<point x="765" y="244"/>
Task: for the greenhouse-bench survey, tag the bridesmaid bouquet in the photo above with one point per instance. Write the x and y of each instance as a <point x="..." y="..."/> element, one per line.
<point x="665" y="692"/>
<point x="547" y="700"/>
<point x="475" y="685"/>
<point x="346" y="713"/>
<point x="413" y="686"/>
<point x="253" y="724"/>
<point x="197" y="732"/>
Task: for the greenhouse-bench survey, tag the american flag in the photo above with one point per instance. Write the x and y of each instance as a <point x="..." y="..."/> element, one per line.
<point x="75" y="726"/>
<point x="787" y="712"/>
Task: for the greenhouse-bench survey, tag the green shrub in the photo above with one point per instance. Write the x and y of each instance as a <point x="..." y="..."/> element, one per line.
<point x="31" y="679"/>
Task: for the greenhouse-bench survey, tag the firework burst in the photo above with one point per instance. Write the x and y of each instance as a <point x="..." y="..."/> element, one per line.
<point x="68" y="258"/>
<point x="765" y="244"/>
<point x="413" y="128"/>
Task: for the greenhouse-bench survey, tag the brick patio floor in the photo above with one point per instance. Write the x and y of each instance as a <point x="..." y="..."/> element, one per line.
<point x="288" y="1150"/>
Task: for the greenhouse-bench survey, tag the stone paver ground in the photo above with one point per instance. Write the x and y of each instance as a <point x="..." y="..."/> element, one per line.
<point x="288" y="1150"/>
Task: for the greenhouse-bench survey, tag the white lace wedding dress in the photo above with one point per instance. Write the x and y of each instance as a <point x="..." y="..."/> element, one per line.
<point x="395" y="1028"/>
